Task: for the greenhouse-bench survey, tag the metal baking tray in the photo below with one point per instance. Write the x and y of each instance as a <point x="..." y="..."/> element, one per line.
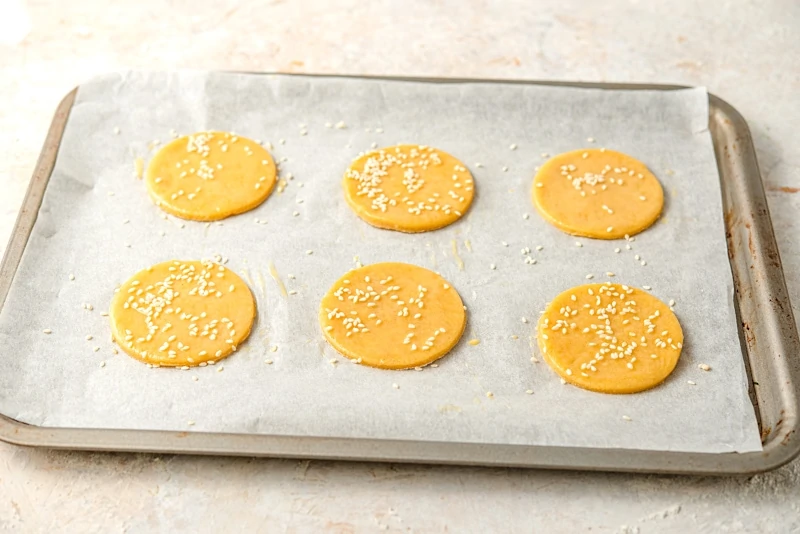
<point x="767" y="329"/>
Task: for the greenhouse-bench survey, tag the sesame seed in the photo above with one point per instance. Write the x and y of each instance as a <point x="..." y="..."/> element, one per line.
<point x="395" y="386"/>
<point x="493" y="266"/>
<point x="89" y="337"/>
<point x="704" y="367"/>
<point x="610" y="274"/>
<point x="578" y="244"/>
<point x="309" y="252"/>
<point x="610" y="229"/>
<point x="691" y="382"/>
<point x="340" y="125"/>
<point x="190" y="423"/>
<point x="529" y="391"/>
<point x="647" y="288"/>
<point x="505" y="169"/>
<point x="512" y="147"/>
<point x="102" y="364"/>
<point x="589" y="276"/>
<point x="590" y="139"/>
<point x="116" y="130"/>
<point x="545" y="155"/>
<point x="71" y="276"/>
<point x="525" y="320"/>
<point x="643" y="263"/>
<point x="617" y="250"/>
<point x="525" y="216"/>
<point x="479" y="165"/>
<point x="626" y="418"/>
<point x="96" y="349"/>
<point x="47" y="331"/>
<point x="672" y="302"/>
<point x="489" y="395"/>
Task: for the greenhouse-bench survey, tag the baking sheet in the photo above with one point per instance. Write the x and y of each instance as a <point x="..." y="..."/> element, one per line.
<point x="57" y="379"/>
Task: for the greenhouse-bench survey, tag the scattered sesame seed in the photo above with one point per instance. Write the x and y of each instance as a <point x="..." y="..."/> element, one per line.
<point x="274" y="348"/>
<point x="539" y="247"/>
<point x="489" y="395"/>
<point x="525" y="320"/>
<point x="643" y="263"/>
<point x="647" y="288"/>
<point x="328" y="125"/>
<point x="610" y="274"/>
<point x="672" y="302"/>
<point x="504" y="243"/>
<point x="479" y="165"/>
<point x="96" y="349"/>
<point x="72" y="276"/>
<point x="589" y="276"/>
<point x="89" y="337"/>
<point x="525" y="216"/>
<point x="268" y="362"/>
<point x="626" y="418"/>
<point x="617" y="250"/>
<point x="505" y="169"/>
<point x="190" y="423"/>
<point x="340" y="125"/>
<point x="563" y="382"/>
<point x="545" y="155"/>
<point x="590" y="139"/>
<point x="309" y="252"/>
<point x="395" y="386"/>
<point x="474" y="342"/>
<point x="529" y="391"/>
<point x="513" y="146"/>
<point x="492" y="266"/>
<point x="704" y="367"/>
<point x="47" y="331"/>
<point x="691" y="382"/>
<point x="102" y="364"/>
<point x="116" y="130"/>
<point x="578" y="244"/>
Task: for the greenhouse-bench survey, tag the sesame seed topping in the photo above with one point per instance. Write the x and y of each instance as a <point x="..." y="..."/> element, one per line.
<point x="691" y="382"/>
<point x="626" y="418"/>
<point x="589" y="276"/>
<point x="47" y="331"/>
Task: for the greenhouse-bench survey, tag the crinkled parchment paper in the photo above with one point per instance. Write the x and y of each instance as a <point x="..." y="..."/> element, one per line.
<point x="97" y="223"/>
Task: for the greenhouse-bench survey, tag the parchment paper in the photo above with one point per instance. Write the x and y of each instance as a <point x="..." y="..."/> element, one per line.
<point x="57" y="379"/>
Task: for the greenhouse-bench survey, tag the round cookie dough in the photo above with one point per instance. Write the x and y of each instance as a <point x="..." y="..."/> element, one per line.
<point x="597" y="193"/>
<point x="610" y="338"/>
<point x="392" y="316"/>
<point x="208" y="176"/>
<point x="409" y="188"/>
<point x="182" y="313"/>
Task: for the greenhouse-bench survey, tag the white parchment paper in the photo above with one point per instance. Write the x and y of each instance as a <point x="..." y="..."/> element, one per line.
<point x="97" y="223"/>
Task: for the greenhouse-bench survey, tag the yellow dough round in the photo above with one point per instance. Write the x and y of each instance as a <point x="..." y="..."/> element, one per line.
<point x="182" y="313"/>
<point x="597" y="193"/>
<point x="208" y="176"/>
<point x="610" y="338"/>
<point x="410" y="188"/>
<point x="392" y="316"/>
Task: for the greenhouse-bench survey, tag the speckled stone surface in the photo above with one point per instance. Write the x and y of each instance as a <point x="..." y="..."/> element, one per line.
<point x="747" y="52"/>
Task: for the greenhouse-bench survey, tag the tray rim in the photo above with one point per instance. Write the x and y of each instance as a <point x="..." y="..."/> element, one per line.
<point x="780" y="445"/>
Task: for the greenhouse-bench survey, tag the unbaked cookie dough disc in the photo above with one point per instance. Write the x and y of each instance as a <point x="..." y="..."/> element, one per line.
<point x="182" y="313"/>
<point x="610" y="338"/>
<point x="208" y="176"/>
<point x="410" y="188"/>
<point x="392" y="316"/>
<point x="597" y="193"/>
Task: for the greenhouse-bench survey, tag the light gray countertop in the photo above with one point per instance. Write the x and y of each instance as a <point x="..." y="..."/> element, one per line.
<point x="745" y="52"/>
